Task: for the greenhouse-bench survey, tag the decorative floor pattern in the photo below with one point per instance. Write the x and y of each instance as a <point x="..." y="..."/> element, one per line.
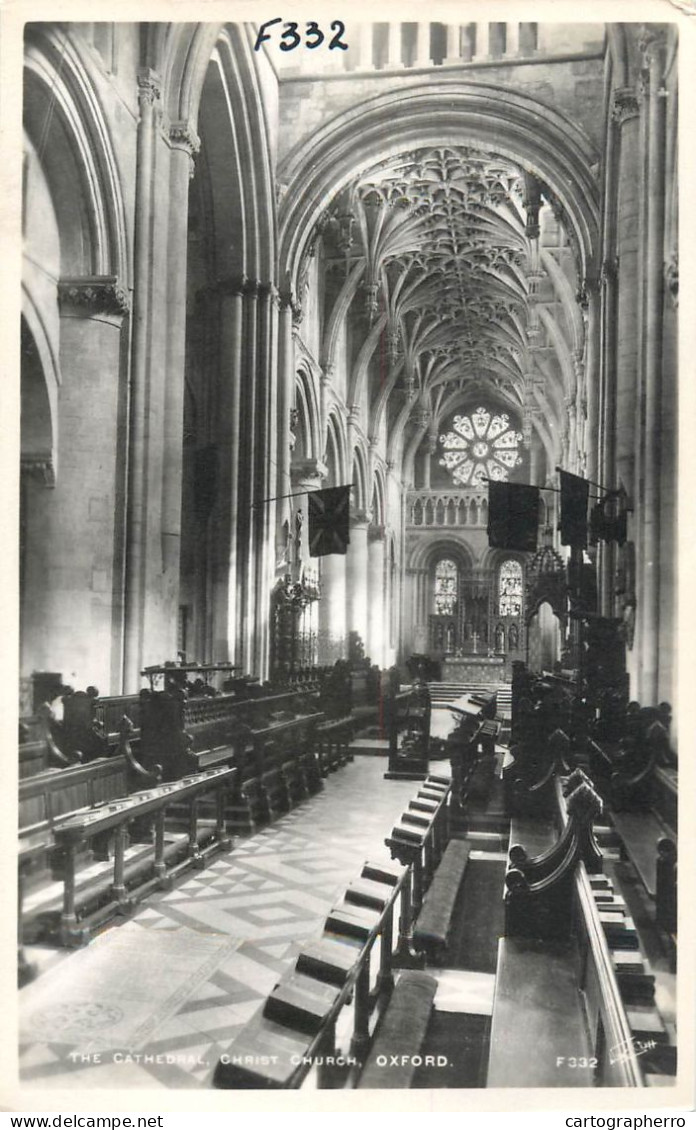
<point x="257" y="906"/>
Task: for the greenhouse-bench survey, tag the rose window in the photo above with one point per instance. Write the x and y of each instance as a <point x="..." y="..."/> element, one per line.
<point x="481" y="446"/>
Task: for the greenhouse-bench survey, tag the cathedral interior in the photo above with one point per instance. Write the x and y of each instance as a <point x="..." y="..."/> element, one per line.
<point x="412" y="796"/>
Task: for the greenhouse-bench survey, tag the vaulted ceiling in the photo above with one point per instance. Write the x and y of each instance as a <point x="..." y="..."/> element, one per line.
<point x="467" y="270"/>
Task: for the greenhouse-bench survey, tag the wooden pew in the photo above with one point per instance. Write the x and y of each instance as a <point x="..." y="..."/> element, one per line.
<point x="38" y="748"/>
<point x="105" y="826"/>
<point x="641" y="788"/>
<point x="46" y="799"/>
<point x="91" y="725"/>
<point x="540" y="1034"/>
<point x="407" y="717"/>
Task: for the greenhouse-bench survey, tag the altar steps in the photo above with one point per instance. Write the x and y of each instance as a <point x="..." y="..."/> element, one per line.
<point x="449" y="692"/>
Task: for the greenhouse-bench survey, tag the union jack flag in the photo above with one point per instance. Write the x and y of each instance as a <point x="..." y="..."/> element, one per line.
<point x="329" y="521"/>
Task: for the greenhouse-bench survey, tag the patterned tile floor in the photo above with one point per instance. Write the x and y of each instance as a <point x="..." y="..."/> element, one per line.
<point x="265" y="899"/>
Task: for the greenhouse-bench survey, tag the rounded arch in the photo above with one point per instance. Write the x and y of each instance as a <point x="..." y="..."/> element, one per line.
<point x="61" y="104"/>
<point x="426" y="552"/>
<point x="378" y="503"/>
<point x="360" y="479"/>
<point x="307" y="429"/>
<point x="335" y="456"/>
<point x="537" y="137"/>
<point x="38" y="446"/>
<point x="40" y="382"/>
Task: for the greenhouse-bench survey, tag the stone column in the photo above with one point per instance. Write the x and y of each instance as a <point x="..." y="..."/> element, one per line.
<point x="377" y="643"/>
<point x="422" y="45"/>
<point x="249" y="519"/>
<point x="653" y="296"/>
<point x="591" y="319"/>
<point x="286" y="393"/>
<point x="626" y="125"/>
<point x="426" y="469"/>
<point x="139" y="486"/>
<point x="332" y="608"/>
<point x="306" y="475"/>
<point x="453" y="44"/>
<point x="512" y="41"/>
<point x="227" y="618"/>
<point x="74" y="623"/>
<point x="356" y="577"/>
<point x="607" y="473"/>
<point x="264" y="515"/>
<point x="394" y="46"/>
<point x="184" y="146"/>
<point x="482" y="41"/>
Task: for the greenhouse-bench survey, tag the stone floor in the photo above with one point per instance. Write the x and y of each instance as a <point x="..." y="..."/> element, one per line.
<point x="156" y="1001"/>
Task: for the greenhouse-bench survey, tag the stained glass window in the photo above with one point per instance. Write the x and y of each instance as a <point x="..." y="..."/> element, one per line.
<point x="446" y="587"/>
<point x="482" y="446"/>
<point x="510" y="588"/>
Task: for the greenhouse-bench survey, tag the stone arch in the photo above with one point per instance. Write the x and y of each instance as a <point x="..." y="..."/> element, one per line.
<point x="424" y="553"/>
<point x="41" y="407"/>
<point x="335" y="457"/>
<point x="360" y="479"/>
<point x="308" y="434"/>
<point x="539" y="138"/>
<point x="61" y="104"/>
<point x="378" y="502"/>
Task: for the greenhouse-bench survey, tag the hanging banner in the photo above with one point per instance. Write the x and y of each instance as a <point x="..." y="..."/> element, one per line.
<point x="329" y="521"/>
<point x="574" y="495"/>
<point x="513" y="516"/>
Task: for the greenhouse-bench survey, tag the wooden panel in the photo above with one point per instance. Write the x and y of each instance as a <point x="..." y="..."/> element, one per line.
<point x="32" y="810"/>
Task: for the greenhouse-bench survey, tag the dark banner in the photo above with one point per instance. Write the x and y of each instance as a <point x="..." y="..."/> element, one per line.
<point x="574" y="495"/>
<point x="513" y="516"/>
<point x="329" y="521"/>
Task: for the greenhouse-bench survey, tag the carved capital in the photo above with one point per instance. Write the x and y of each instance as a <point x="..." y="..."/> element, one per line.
<point x="359" y="519"/>
<point x="625" y="105"/>
<point x="308" y="472"/>
<point x="149" y="87"/>
<point x="88" y="297"/>
<point x="184" y="137"/>
<point x="652" y="42"/>
<point x="286" y="298"/>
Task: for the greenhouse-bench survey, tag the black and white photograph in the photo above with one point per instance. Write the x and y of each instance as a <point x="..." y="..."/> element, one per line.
<point x="345" y="550"/>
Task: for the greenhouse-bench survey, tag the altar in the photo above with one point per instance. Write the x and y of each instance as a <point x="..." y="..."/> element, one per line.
<point x="474" y="669"/>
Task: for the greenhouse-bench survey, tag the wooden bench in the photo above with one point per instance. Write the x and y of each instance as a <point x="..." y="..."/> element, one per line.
<point x="91" y="724"/>
<point x="106" y="826"/>
<point x="538" y="1034"/>
<point x="649" y="840"/>
<point x="431" y="933"/>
